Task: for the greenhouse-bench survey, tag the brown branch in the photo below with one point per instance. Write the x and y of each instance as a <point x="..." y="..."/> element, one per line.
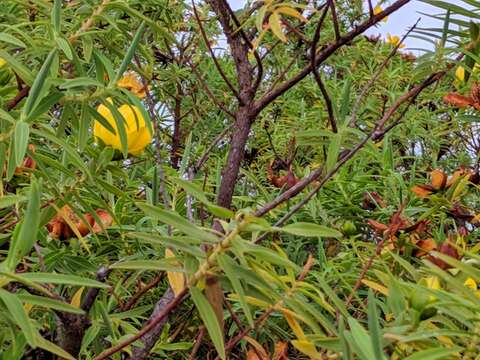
<point x="335" y="20"/>
<point x="148" y="327"/>
<point x="212" y="54"/>
<point x="324" y="54"/>
<point x="314" y="175"/>
<point x="198" y="342"/>
<point x="19" y="97"/>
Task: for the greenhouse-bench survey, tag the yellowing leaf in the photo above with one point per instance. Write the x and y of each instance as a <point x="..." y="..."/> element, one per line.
<point x="275" y="23"/>
<point x="259" y="350"/>
<point x="308" y="348"/>
<point x="175" y="279"/>
<point x="77" y="297"/>
<point x="294" y="325"/>
<point x="27" y="307"/>
<point x="287" y="10"/>
<point x="375" y="286"/>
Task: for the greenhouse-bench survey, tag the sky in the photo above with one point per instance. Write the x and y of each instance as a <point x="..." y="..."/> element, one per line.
<point x="399" y="22"/>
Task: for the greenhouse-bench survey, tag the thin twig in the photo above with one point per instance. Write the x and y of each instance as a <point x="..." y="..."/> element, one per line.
<point x="212" y="54"/>
<point x="198" y="342"/>
<point x="374" y="78"/>
<point x="144" y="289"/>
<point x="214" y="143"/>
<point x="335" y="20"/>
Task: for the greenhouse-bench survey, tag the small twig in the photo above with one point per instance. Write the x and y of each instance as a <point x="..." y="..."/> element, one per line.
<point x="214" y="143"/>
<point x="335" y="20"/>
<point x="102" y="275"/>
<point x="133" y="301"/>
<point x="370" y="8"/>
<point x="212" y="54"/>
<point x="374" y="78"/>
<point x="19" y="97"/>
<point x="217" y="101"/>
<point x="198" y="342"/>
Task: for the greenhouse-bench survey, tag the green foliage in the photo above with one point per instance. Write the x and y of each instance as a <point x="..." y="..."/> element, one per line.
<point x="381" y="263"/>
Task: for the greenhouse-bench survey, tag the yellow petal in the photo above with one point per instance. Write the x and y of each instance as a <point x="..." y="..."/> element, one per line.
<point x="470" y="283"/>
<point x="175" y="279"/>
<point x="377" y="10"/>
<point x="131" y="83"/>
<point x="2" y="62"/>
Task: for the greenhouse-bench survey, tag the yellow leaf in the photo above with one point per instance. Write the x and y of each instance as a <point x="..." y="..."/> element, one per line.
<point x="275" y="23"/>
<point x="308" y="348"/>
<point x="287" y="10"/>
<point x="27" y="307"/>
<point x="77" y="297"/>
<point x="175" y="279"/>
<point x="260" y="350"/>
<point x="375" y="286"/>
<point x="294" y="325"/>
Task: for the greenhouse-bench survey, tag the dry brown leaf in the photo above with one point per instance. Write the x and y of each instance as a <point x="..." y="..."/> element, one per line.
<point x="458" y="100"/>
<point x="422" y="191"/>
<point x="439" y="179"/>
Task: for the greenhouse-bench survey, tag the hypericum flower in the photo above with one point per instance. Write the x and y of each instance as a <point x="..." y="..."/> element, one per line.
<point x="472" y="284"/>
<point x="378" y="9"/>
<point x="394" y="40"/>
<point x="131" y="83"/>
<point x="138" y="135"/>
<point x="2" y="62"/>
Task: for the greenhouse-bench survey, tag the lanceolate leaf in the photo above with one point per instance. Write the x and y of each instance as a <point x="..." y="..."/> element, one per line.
<point x="209" y="319"/>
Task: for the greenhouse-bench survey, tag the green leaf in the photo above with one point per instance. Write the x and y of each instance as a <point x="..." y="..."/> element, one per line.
<point x="333" y="151"/>
<point x="38" y="85"/>
<point x="54" y="349"/>
<point x="143" y="265"/>
<point x="361" y="340"/>
<point x="130" y="52"/>
<point x="374" y="327"/>
<point x="4" y="37"/>
<point x="23" y="72"/>
<point x="49" y="303"/>
<point x="310" y="230"/>
<point x="56" y="11"/>
<point x="9" y="200"/>
<point x="79" y="82"/>
<point x="53" y="278"/>
<point x="66" y="48"/>
<point x="178" y="222"/>
<point x="18" y="313"/>
<point x="22" y="132"/>
<point x="433" y="354"/>
<point x="25" y="231"/>
<point x="275" y="24"/>
<point x="209" y="319"/>
<point x="226" y="264"/>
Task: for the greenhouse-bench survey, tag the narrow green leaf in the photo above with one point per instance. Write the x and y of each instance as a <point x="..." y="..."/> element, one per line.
<point x="49" y="303"/>
<point x="18" y="313"/>
<point x="38" y="85"/>
<point x="56" y="11"/>
<point x="130" y="52"/>
<point x="333" y="151"/>
<point x="54" y="349"/>
<point x="433" y="354"/>
<point x="9" y="200"/>
<point x="177" y="221"/>
<point x="53" y="278"/>
<point x="23" y="240"/>
<point x="143" y="265"/>
<point x="310" y="230"/>
<point x="374" y="327"/>
<point x="22" y="132"/>
<point x="209" y="319"/>
<point x="4" y="37"/>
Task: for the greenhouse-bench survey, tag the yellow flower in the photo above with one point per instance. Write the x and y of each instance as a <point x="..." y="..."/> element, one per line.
<point x="137" y="137"/>
<point x="394" y="40"/>
<point x="131" y="83"/>
<point x="472" y="284"/>
<point x="378" y="9"/>
<point x="2" y="62"/>
<point x="432" y="282"/>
